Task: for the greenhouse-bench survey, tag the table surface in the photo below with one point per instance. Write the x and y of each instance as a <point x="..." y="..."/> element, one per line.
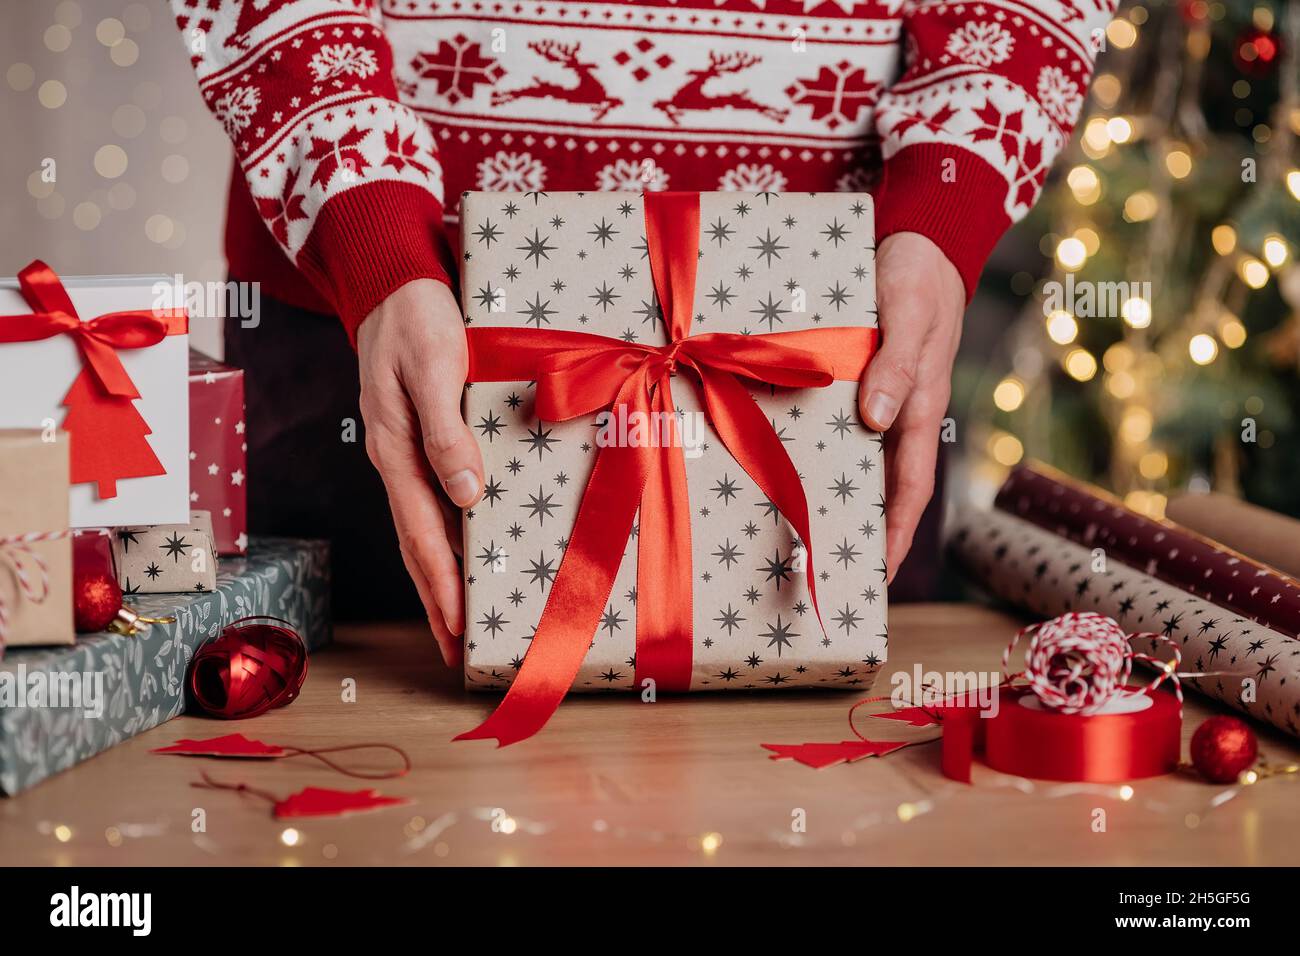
<point x="613" y="780"/>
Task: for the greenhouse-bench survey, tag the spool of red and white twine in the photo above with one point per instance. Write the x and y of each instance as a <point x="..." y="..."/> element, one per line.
<point x="1078" y="662"/>
<point x="17" y="552"/>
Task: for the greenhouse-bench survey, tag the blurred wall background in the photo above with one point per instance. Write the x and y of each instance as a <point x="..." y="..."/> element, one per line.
<point x="102" y="90"/>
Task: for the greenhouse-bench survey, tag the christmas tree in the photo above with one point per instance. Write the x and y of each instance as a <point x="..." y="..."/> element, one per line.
<point x="1158" y="339"/>
<point x="107" y="437"/>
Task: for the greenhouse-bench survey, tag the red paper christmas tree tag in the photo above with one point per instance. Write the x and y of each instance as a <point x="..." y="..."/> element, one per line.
<point x="822" y="755"/>
<point x="108" y="437"/>
<point x="930" y="715"/>
<point x="322" y="802"/>
<point x="231" y="745"/>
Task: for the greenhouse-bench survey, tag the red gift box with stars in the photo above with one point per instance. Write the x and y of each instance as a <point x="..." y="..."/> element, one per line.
<point x="218" y="450"/>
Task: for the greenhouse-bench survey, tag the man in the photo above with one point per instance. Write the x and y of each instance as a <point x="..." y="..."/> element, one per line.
<point x="357" y="124"/>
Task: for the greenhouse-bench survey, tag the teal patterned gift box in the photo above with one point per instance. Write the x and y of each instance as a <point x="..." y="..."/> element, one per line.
<point x="123" y="686"/>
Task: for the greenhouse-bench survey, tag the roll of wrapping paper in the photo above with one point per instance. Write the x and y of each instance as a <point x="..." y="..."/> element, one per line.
<point x="1247" y="666"/>
<point x="1258" y="533"/>
<point x="1090" y="517"/>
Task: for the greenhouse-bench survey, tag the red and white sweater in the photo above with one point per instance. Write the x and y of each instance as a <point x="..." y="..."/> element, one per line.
<point x="352" y="119"/>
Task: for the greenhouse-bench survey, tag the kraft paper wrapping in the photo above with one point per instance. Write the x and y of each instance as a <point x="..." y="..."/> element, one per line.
<point x="1264" y="535"/>
<point x="1089" y="516"/>
<point x="578" y="262"/>
<point x="1247" y="666"/>
<point x="34" y="497"/>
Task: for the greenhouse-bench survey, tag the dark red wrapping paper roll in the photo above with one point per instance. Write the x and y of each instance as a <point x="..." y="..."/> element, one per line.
<point x="1046" y="745"/>
<point x="1090" y="517"/>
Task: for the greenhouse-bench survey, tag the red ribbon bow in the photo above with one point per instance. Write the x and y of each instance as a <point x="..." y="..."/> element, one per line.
<point x="97" y="339"/>
<point x="578" y="373"/>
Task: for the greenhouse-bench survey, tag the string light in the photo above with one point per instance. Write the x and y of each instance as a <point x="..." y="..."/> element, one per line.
<point x="1224" y="239"/>
<point x="1135" y="425"/>
<point x="1119" y="129"/>
<point x="290" y="837"/>
<point x="1118" y="358"/>
<point x="1275" y="251"/>
<point x="1141" y="206"/>
<point x="1153" y="465"/>
<point x="1085" y="184"/>
<point x="1107" y="88"/>
<point x="1080" y="365"/>
<point x="1006" y="449"/>
<point x="1062" y="327"/>
<point x="1009" y="394"/>
<point x="1121" y="385"/>
<point x="1096" y="138"/>
<point x="1136" y="311"/>
<point x="1203" y="348"/>
<point x="1253" y="272"/>
<point x="1122" y="33"/>
<point x="710" y="843"/>
<point x="1232" y="332"/>
<point x="1293" y="183"/>
<point x="1179" y="163"/>
<point x="1071" y="253"/>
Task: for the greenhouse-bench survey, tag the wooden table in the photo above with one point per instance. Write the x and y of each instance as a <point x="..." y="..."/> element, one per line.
<point x="614" y="780"/>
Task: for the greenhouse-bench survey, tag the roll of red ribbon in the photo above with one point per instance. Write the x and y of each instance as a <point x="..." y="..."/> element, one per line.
<point x="1138" y="736"/>
<point x="256" y="664"/>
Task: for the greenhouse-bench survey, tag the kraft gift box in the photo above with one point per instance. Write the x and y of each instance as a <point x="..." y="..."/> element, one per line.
<point x="35" y="575"/>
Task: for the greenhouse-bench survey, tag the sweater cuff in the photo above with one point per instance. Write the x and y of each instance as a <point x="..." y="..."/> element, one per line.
<point x="369" y="241"/>
<point x="949" y="195"/>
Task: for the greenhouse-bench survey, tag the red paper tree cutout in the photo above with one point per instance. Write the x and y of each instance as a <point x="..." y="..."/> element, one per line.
<point x="231" y="745"/>
<point x="821" y="755"/>
<point x="320" y="802"/>
<point x="107" y="437"/>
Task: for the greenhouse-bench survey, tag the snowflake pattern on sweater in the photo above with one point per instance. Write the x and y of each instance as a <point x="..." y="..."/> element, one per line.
<point x="392" y="104"/>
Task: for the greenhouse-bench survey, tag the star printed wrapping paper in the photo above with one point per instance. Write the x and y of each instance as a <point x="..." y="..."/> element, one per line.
<point x="1245" y="665"/>
<point x="579" y="262"/>
<point x="166" y="558"/>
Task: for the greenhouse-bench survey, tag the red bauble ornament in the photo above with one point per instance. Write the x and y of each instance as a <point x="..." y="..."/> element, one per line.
<point x="96" y="599"/>
<point x="1222" y="748"/>
<point x="254" y="665"/>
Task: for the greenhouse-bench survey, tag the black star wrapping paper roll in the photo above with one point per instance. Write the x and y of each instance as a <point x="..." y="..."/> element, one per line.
<point x="1245" y="665"/>
<point x="767" y="263"/>
<point x="166" y="558"/>
<point x="1089" y="516"/>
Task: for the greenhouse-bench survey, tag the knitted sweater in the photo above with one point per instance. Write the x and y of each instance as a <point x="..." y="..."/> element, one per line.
<point x="358" y="123"/>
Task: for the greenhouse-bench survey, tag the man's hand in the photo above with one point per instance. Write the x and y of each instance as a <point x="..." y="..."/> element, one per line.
<point x="413" y="364"/>
<point x="906" y="387"/>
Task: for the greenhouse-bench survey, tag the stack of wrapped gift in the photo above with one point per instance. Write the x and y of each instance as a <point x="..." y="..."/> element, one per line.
<point x="680" y="493"/>
<point x="96" y="433"/>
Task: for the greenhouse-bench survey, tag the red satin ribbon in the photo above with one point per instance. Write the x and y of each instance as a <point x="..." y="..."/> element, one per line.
<point x="97" y="339"/>
<point x="1047" y="745"/>
<point x="578" y="373"/>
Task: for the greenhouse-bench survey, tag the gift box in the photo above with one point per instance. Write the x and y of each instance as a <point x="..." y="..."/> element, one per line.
<point x="103" y="358"/>
<point x="166" y="558"/>
<point x="35" y="548"/>
<point x="62" y="706"/>
<point x="705" y="349"/>
<point x="218" y="451"/>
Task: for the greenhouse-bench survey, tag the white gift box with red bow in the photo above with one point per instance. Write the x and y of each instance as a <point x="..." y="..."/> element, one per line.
<point x="52" y="375"/>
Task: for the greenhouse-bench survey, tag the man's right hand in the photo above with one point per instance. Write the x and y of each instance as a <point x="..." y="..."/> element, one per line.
<point x="413" y="363"/>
